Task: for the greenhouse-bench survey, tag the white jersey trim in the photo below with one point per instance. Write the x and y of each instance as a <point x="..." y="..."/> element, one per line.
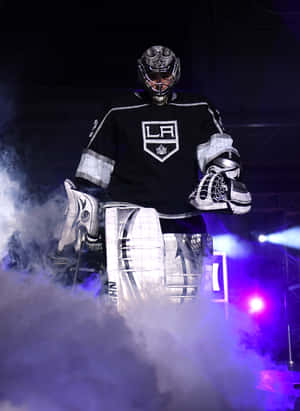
<point x="94" y="134"/>
<point x="95" y="168"/>
<point x="202" y="103"/>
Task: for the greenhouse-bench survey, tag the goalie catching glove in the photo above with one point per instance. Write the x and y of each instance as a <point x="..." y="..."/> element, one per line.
<point x="219" y="190"/>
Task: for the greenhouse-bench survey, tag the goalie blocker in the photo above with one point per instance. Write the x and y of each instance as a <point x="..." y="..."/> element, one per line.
<point x="219" y="189"/>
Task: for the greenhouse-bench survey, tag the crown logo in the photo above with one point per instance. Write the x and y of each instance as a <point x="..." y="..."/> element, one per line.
<point x="161" y="150"/>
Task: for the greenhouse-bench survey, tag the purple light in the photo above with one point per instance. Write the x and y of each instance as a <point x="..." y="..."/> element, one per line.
<point x="256" y="305"/>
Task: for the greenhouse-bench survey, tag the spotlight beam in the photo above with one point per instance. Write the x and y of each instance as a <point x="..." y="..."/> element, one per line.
<point x="289" y="238"/>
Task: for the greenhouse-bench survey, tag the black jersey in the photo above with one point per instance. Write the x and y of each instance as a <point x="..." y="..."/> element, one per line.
<point x="147" y="154"/>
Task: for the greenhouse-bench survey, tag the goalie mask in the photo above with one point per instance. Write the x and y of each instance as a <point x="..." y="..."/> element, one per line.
<point x="159" y="71"/>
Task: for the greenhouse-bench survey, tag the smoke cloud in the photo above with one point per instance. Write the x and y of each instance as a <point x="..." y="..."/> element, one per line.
<point x="63" y="350"/>
<point x="232" y="245"/>
<point x="9" y="222"/>
<point x="7" y="406"/>
<point x="28" y="225"/>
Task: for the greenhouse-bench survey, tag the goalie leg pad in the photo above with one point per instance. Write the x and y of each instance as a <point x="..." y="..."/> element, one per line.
<point x="186" y="259"/>
<point x="135" y="253"/>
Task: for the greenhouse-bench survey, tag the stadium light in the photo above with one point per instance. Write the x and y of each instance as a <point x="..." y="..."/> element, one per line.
<point x="256" y="304"/>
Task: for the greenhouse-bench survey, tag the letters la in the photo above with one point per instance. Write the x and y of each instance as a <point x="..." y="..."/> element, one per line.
<point x="160" y="138"/>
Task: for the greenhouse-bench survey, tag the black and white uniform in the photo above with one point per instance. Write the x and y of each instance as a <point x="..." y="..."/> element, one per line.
<point x="147" y="155"/>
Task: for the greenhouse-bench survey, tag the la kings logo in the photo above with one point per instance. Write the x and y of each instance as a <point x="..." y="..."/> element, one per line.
<point x="160" y="138"/>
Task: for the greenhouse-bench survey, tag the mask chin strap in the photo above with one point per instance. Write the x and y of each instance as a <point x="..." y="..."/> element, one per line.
<point x="160" y="100"/>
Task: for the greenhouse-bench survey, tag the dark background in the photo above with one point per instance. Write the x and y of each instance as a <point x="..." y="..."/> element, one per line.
<point x="59" y="60"/>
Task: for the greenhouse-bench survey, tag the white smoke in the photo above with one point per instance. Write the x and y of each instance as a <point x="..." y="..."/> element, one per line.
<point x="62" y="351"/>
<point x="33" y="224"/>
<point x="10" y="212"/>
<point x="198" y="355"/>
<point x="7" y="406"/>
<point x="232" y="245"/>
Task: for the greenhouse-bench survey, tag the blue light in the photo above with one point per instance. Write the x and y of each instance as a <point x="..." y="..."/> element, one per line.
<point x="232" y="245"/>
<point x="262" y="238"/>
<point x="288" y="238"/>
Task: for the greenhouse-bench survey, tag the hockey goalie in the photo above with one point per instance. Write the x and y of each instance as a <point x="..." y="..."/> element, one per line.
<point x="156" y="160"/>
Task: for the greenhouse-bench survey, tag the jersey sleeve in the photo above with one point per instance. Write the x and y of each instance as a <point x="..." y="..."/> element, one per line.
<point x="212" y="123"/>
<point x="218" y="141"/>
<point x="98" y="158"/>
